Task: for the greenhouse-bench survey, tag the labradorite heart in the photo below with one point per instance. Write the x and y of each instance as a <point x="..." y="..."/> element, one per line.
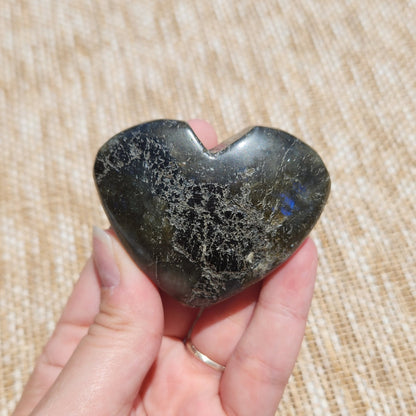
<point x="205" y="224"/>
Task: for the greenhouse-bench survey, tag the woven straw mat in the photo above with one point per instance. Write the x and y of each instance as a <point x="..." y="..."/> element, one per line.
<point x="341" y="75"/>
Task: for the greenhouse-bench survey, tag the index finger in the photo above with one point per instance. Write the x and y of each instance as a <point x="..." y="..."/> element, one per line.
<point x="266" y="353"/>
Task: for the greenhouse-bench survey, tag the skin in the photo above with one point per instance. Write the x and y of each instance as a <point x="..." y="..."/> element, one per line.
<point x="118" y="347"/>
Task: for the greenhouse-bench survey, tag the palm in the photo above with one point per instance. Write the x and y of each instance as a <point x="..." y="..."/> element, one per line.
<point x="180" y="384"/>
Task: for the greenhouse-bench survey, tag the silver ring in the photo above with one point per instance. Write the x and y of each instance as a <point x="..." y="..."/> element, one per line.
<point x="202" y="357"/>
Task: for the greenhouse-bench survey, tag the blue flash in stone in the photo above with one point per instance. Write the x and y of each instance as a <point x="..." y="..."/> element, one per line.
<point x="288" y="205"/>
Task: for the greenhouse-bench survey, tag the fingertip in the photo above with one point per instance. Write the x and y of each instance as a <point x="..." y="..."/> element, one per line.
<point x="104" y="259"/>
<point x="291" y="286"/>
<point x="134" y="292"/>
<point x="205" y="132"/>
<point x="311" y="245"/>
<point x="307" y="253"/>
<point x="303" y="260"/>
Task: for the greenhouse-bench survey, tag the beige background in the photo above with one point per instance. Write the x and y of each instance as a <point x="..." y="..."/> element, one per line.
<point x="341" y="75"/>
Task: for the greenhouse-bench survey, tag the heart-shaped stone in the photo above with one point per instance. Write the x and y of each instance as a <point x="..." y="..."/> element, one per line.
<point x="205" y="224"/>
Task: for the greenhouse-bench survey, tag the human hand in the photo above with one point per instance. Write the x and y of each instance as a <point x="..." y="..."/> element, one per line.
<point x="118" y="347"/>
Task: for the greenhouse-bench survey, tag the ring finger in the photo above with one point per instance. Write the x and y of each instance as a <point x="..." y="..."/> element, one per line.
<point x="220" y="327"/>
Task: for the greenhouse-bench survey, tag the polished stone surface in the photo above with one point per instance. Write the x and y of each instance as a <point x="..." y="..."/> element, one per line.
<point x="205" y="224"/>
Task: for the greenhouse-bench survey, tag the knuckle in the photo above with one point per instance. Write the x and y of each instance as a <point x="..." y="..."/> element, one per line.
<point x="280" y="309"/>
<point x="262" y="372"/>
<point x="119" y="327"/>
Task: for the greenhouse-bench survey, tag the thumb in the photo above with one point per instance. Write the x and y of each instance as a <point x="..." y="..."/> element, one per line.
<point x="105" y="372"/>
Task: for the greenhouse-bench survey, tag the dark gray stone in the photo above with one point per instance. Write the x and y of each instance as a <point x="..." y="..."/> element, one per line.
<point x="205" y="224"/>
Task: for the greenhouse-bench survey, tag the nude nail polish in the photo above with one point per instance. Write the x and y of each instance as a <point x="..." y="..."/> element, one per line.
<point x="104" y="259"/>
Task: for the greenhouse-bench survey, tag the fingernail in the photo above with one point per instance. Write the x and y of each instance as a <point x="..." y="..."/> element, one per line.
<point x="104" y="259"/>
